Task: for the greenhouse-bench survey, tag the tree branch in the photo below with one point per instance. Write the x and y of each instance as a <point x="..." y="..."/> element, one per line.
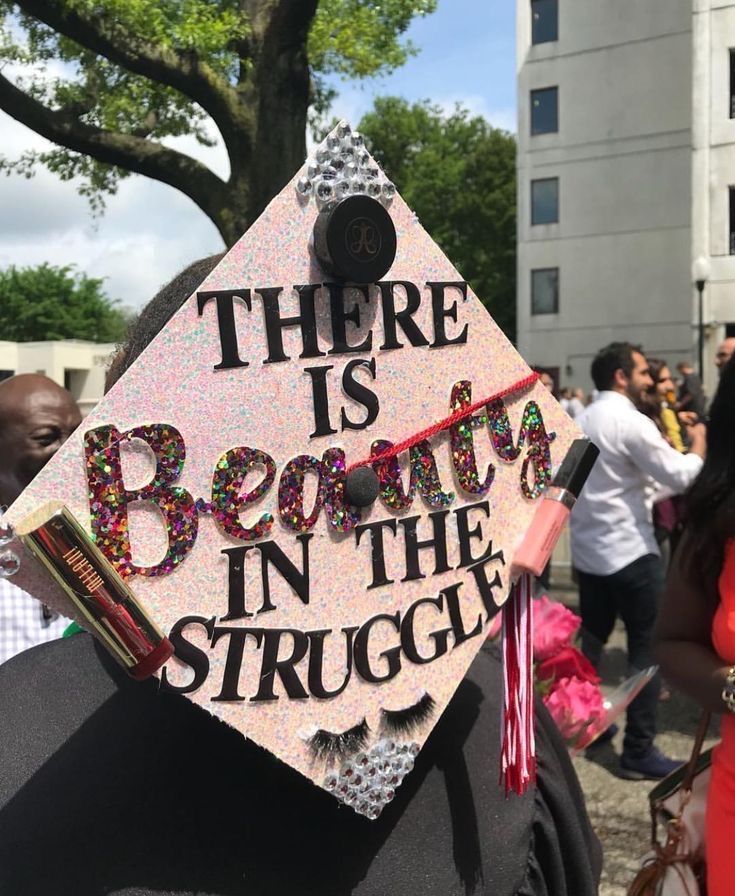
<point x="181" y="70"/>
<point x="125" y="151"/>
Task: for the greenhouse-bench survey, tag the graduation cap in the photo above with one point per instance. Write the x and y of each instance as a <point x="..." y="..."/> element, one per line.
<point x="313" y="479"/>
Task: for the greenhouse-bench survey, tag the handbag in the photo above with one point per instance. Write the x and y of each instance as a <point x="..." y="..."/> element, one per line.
<point x="677" y="867"/>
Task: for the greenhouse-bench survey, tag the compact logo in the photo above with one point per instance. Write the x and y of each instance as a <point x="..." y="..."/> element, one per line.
<point x="362" y="239"/>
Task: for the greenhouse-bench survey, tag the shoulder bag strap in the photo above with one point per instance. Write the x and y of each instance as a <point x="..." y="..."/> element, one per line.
<point x="689" y="773"/>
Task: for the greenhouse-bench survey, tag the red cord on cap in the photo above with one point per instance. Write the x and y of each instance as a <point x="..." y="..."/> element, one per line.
<point x="453" y="418"/>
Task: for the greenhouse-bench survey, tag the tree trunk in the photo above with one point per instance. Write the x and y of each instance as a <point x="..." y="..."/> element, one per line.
<point x="275" y="98"/>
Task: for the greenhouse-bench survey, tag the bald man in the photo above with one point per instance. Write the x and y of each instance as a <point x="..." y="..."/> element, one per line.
<point x="36" y="417"/>
<point x="725" y="351"/>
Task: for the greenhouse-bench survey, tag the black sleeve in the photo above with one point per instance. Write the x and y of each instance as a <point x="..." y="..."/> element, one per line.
<point x="109" y="786"/>
<point x="566" y="856"/>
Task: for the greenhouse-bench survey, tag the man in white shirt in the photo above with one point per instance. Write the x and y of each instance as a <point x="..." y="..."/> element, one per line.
<point x="613" y="545"/>
<point x="36" y="417"/>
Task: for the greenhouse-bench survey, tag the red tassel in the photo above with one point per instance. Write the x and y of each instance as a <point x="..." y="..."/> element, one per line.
<point x="518" y="752"/>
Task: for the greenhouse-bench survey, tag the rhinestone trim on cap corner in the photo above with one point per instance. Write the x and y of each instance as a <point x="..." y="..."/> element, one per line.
<point x="341" y="166"/>
<point x="368" y="781"/>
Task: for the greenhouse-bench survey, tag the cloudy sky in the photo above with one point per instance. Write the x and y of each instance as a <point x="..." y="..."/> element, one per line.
<point x="149" y="231"/>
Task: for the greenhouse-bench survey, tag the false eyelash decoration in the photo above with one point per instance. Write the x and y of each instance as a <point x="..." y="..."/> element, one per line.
<point x="406" y="721"/>
<point x="328" y="745"/>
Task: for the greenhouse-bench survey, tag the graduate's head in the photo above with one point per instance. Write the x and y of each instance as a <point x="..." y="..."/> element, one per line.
<point x="157" y="313"/>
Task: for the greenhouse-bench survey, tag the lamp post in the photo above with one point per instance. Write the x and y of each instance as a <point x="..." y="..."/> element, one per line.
<point x="700" y="276"/>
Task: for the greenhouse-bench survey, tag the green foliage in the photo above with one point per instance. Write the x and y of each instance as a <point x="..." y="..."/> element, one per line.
<point x="49" y="302"/>
<point x="458" y="174"/>
<point x="353" y="38"/>
<point x="102" y="94"/>
<point x="358" y="38"/>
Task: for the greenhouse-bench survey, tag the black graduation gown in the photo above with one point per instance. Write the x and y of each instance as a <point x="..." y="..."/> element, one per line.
<point x="108" y="786"/>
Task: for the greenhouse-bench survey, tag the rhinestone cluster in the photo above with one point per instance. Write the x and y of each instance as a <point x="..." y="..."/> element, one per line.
<point x="368" y="781"/>
<point x="9" y="560"/>
<point x="341" y="166"/>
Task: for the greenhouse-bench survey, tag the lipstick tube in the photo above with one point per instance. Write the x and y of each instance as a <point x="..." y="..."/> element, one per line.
<point x="554" y="508"/>
<point x="111" y="610"/>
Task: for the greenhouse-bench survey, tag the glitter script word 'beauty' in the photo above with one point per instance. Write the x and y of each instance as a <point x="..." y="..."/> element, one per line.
<point x="109" y="498"/>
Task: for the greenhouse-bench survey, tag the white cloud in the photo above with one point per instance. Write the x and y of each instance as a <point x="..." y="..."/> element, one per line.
<point x="351" y="104"/>
<point x="148" y="232"/>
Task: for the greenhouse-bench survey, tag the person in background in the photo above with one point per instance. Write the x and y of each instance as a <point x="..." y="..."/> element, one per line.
<point x="691" y="394"/>
<point x="660" y="401"/>
<point x="36" y="417"/>
<point x="695" y="632"/>
<point x="614" y="549"/>
<point x="576" y="404"/>
<point x="564" y="398"/>
<point x="666" y="510"/>
<point x="547" y="381"/>
<point x="725" y="351"/>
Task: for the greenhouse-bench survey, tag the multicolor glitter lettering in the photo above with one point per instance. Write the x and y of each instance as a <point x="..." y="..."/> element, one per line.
<point x="227" y="501"/>
<point x="539" y="454"/>
<point x="424" y="477"/>
<point x="533" y="430"/>
<point x="331" y="471"/>
<point x="501" y="432"/>
<point x="291" y="493"/>
<point x="462" y="443"/>
<point x="109" y="499"/>
<point x="342" y="516"/>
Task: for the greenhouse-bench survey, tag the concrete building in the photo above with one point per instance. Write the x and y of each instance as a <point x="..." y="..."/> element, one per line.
<point x="77" y="365"/>
<point x="626" y="175"/>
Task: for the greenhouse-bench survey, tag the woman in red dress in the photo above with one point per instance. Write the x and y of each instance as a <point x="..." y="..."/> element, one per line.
<point x="696" y="626"/>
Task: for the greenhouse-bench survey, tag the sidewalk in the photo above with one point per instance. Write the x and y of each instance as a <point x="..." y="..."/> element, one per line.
<point x="619" y="808"/>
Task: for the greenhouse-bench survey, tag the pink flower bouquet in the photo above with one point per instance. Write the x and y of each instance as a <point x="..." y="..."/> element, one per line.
<point x="565" y="678"/>
<point x="554" y="626"/>
<point x="574" y="705"/>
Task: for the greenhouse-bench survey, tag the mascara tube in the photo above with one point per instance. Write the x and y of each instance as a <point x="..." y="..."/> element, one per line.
<point x="554" y="508"/>
<point x="96" y="589"/>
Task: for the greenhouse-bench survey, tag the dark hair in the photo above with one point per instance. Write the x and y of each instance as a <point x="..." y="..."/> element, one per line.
<point x="650" y="402"/>
<point x="710" y="501"/>
<point x="655" y="366"/>
<point x="616" y="356"/>
<point x="157" y="313"/>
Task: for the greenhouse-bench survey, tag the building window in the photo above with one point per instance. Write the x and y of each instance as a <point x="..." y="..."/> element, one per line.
<point x="544" y="21"/>
<point x="732" y="83"/>
<point x="732" y="220"/>
<point x="545" y="201"/>
<point x="545" y="291"/>
<point x="544" y="111"/>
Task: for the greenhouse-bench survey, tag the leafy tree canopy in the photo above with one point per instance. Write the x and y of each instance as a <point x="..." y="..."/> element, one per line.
<point x="108" y="80"/>
<point x="458" y="174"/>
<point x="46" y="302"/>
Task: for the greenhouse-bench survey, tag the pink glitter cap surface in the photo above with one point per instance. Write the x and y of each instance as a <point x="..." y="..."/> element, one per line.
<point x="242" y="430"/>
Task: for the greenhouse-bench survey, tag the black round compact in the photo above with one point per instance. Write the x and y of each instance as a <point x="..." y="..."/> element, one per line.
<point x="355" y="240"/>
<point x="362" y="487"/>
